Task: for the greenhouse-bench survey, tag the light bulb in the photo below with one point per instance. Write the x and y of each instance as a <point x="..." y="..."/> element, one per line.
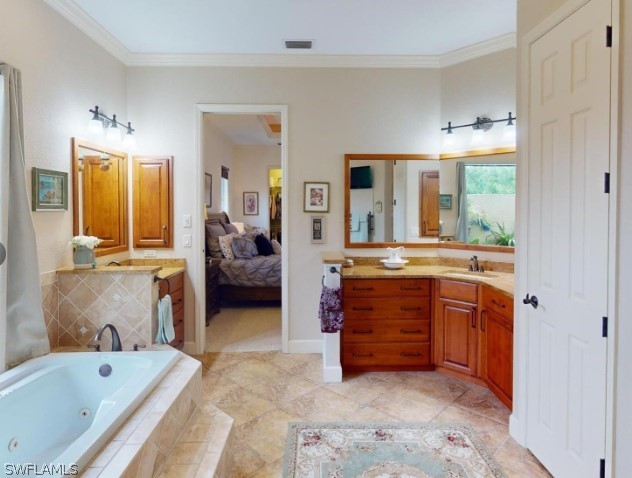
<point x="478" y="137"/>
<point x="114" y="133"/>
<point x="449" y="141"/>
<point x="129" y="141"/>
<point x="509" y="135"/>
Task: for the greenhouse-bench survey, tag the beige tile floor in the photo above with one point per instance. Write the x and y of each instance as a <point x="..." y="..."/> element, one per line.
<point x="263" y="391"/>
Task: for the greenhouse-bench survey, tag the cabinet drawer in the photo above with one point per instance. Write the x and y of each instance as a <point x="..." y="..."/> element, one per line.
<point x="386" y="287"/>
<point x="386" y="331"/>
<point x="176" y="282"/>
<point x="457" y="290"/>
<point x="177" y="300"/>
<point x="498" y="302"/>
<point x="387" y="308"/>
<point x="178" y="325"/>
<point x="414" y="353"/>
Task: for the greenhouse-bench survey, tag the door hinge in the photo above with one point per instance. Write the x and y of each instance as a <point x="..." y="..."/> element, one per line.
<point x="609" y="36"/>
<point x="606" y="183"/>
<point x="604" y="326"/>
<point x="602" y="468"/>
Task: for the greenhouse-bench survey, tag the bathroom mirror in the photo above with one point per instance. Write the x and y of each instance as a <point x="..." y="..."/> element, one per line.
<point x="413" y="200"/>
<point x="99" y="194"/>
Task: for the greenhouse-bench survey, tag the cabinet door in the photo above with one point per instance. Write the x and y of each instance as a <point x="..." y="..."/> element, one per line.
<point x="457" y="337"/>
<point x="153" y="203"/>
<point x="497" y="354"/>
<point x="429" y="203"/>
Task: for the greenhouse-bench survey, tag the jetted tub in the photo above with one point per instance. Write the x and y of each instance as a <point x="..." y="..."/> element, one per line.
<point x="57" y="411"/>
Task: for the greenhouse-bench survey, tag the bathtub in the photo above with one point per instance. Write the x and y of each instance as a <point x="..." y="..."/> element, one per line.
<point x="57" y="411"/>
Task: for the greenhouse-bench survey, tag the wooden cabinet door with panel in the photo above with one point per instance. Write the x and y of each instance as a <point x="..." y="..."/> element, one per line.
<point x="153" y="201"/>
<point x="429" y="202"/>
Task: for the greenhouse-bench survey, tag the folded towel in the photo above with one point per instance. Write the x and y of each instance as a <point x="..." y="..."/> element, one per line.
<point x="166" y="332"/>
<point x="330" y="310"/>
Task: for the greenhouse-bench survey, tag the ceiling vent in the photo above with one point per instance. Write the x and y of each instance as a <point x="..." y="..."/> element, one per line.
<point x="298" y="44"/>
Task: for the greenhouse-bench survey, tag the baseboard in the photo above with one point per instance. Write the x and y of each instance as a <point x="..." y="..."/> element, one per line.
<point x="332" y="374"/>
<point x="517" y="430"/>
<point x="189" y="348"/>
<point x="305" y="347"/>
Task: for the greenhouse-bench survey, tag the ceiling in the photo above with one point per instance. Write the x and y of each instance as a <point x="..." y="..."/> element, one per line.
<point x="360" y="28"/>
<point x="247" y="129"/>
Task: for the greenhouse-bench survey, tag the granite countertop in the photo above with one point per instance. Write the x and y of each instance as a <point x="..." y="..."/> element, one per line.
<point x="168" y="272"/>
<point x="122" y="269"/>
<point x="163" y="268"/>
<point x="503" y="281"/>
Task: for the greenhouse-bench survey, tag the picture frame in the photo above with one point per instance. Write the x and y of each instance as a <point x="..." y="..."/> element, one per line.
<point x="49" y="190"/>
<point x="318" y="229"/>
<point x="251" y="203"/>
<point x="316" y="196"/>
<point x="445" y="201"/>
<point x="208" y="189"/>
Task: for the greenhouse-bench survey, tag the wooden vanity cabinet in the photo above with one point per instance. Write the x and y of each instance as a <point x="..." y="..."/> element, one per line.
<point x="175" y="287"/>
<point x="496" y="340"/>
<point x="387" y="325"/>
<point x="456" y="327"/>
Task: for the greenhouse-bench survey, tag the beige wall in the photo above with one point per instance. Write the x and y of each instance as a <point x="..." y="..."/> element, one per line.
<point x="219" y="151"/>
<point x="64" y="74"/>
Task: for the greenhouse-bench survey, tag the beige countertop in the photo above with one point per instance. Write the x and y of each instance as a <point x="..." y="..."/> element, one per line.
<point x="111" y="270"/>
<point x="168" y="272"/>
<point x="163" y="268"/>
<point x="503" y="281"/>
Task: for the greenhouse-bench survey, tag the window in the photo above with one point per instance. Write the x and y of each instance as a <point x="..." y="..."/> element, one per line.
<point x="224" y="191"/>
<point x="491" y="203"/>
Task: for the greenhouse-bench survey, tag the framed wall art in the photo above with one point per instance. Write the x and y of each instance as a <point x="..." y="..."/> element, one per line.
<point x="316" y="197"/>
<point x="251" y="204"/>
<point x="208" y="189"/>
<point x="445" y="201"/>
<point x="50" y="190"/>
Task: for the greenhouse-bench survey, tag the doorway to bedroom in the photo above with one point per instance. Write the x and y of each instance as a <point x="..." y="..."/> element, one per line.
<point x="243" y="231"/>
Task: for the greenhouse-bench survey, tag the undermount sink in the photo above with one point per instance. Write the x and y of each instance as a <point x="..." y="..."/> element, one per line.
<point x="470" y="274"/>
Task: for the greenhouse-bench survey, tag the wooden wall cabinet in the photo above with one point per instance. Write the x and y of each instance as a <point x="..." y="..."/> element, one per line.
<point x="387" y="325"/>
<point x="429" y="201"/>
<point x="174" y="286"/>
<point x="153" y="202"/>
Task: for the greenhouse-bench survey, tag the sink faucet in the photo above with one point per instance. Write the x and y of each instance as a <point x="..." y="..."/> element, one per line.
<point x="474" y="264"/>
<point x="114" y="262"/>
<point x="116" y="340"/>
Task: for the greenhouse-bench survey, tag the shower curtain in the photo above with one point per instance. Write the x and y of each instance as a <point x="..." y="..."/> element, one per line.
<point x="462" y="228"/>
<point x="23" y="332"/>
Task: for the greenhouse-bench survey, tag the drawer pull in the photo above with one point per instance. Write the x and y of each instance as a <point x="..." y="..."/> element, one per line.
<point x="404" y="354"/>
<point x="363" y="355"/>
<point x="499" y="304"/>
<point x="177" y="301"/>
<point x="175" y="324"/>
<point x="367" y="331"/>
<point x="410" y="288"/>
<point x="362" y="288"/>
<point x="405" y="309"/>
<point x="404" y="331"/>
<point x="363" y="308"/>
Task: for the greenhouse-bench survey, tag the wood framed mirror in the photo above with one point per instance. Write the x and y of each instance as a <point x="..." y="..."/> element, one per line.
<point x="99" y="195"/>
<point x="414" y="200"/>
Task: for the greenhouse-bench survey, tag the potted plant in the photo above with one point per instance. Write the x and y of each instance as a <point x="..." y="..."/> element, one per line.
<point x="83" y="254"/>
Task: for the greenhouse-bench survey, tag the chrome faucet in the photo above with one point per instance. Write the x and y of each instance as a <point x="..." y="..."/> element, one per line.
<point x="114" y="262"/>
<point x="474" y="265"/>
<point x="116" y="340"/>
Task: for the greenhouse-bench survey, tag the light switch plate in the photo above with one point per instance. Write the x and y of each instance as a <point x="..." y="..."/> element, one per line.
<point x="187" y="240"/>
<point x="414" y="232"/>
<point x="149" y="253"/>
<point x="186" y="219"/>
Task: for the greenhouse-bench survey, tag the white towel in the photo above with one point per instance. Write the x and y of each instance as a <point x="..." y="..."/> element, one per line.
<point x="166" y="332"/>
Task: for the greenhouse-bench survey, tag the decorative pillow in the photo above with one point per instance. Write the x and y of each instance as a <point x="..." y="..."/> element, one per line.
<point x="276" y="247"/>
<point x="244" y="248"/>
<point x="263" y="245"/>
<point x="226" y="245"/>
<point x="240" y="227"/>
<point x="254" y="230"/>
<point x="230" y="229"/>
<point x="215" y="230"/>
<point x="212" y="248"/>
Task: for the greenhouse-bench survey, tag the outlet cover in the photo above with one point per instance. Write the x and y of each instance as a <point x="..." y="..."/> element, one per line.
<point x="186" y="219"/>
<point x="187" y="240"/>
<point x="149" y="253"/>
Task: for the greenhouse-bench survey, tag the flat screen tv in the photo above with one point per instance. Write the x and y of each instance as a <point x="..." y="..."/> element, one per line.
<point x="361" y="177"/>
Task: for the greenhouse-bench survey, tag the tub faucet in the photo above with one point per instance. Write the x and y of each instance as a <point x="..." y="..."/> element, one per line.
<point x="116" y="340"/>
<point x="117" y="263"/>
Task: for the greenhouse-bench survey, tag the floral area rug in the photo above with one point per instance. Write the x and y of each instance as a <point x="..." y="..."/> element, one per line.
<point x="386" y="450"/>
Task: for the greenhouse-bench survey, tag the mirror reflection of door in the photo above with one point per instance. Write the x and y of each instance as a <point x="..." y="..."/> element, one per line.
<point x="429" y="201"/>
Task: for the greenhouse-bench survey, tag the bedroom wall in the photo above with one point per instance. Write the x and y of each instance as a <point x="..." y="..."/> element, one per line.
<point x="251" y="174"/>
<point x="331" y="112"/>
<point x="219" y="151"/>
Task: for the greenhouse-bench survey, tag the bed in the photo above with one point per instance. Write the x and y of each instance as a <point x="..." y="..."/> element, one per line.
<point x="230" y="280"/>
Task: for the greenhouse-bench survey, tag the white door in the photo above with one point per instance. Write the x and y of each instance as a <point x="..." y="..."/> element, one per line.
<point x="569" y="131"/>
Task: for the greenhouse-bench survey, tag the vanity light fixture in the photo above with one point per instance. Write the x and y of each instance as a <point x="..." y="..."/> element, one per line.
<point x="480" y="126"/>
<point x="100" y="122"/>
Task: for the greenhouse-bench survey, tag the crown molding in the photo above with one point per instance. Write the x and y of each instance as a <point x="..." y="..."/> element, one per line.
<point x="72" y="12"/>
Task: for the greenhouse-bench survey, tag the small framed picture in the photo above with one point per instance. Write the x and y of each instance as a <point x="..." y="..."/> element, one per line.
<point x="316" y="197"/>
<point x="208" y="189"/>
<point x="445" y="201"/>
<point x="318" y="229"/>
<point x="50" y="190"/>
<point x="251" y="204"/>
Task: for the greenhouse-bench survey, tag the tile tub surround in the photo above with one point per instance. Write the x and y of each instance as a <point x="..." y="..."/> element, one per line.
<point x="50" y="305"/>
<point x="170" y="428"/>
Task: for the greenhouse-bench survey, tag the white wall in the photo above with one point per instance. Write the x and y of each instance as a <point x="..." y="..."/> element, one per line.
<point x="331" y="112"/>
<point x="251" y="174"/>
<point x="64" y="74"/>
<point x="219" y="151"/>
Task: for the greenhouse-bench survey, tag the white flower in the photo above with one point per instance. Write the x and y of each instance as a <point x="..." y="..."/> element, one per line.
<point x="88" y="241"/>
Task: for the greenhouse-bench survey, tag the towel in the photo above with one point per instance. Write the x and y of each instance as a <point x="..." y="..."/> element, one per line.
<point x="166" y="332"/>
<point x="330" y="310"/>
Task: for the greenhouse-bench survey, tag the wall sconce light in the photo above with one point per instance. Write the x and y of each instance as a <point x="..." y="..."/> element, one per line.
<point x="105" y="163"/>
<point x="100" y="122"/>
<point x="480" y="127"/>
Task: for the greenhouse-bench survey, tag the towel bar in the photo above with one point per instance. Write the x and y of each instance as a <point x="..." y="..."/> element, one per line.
<point x="156" y="279"/>
<point x="332" y="270"/>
